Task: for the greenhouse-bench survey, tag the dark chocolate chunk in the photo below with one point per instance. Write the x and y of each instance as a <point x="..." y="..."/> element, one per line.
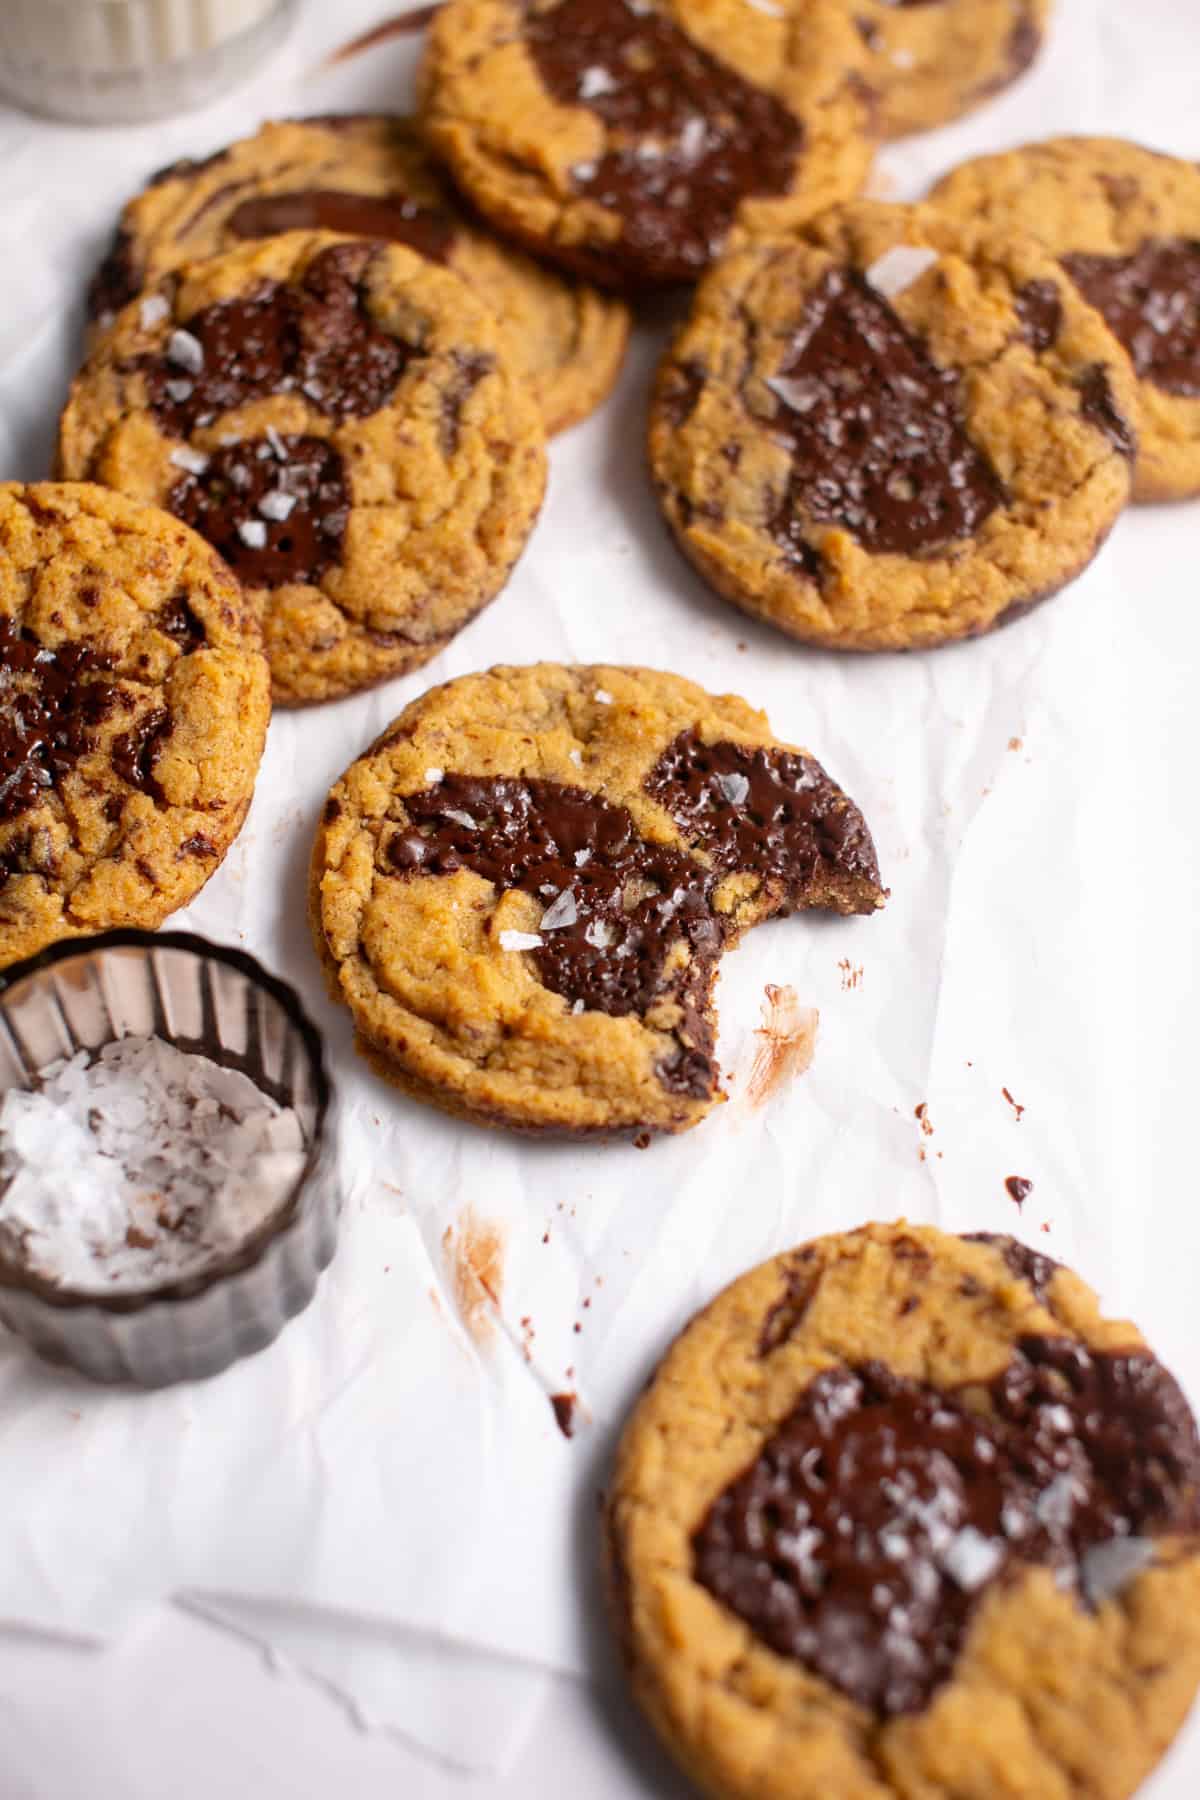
<point x="1151" y="303"/>
<point x="315" y="338"/>
<point x="771" y="811"/>
<point x="135" y="752"/>
<point x="275" y="508"/>
<point x="1039" y="308"/>
<point x="616" y="904"/>
<point x="178" y="622"/>
<point x="469" y="370"/>
<point x="116" y="281"/>
<point x="696" y="137"/>
<point x="800" y="1283"/>
<point x="1027" y="1265"/>
<point x="394" y="217"/>
<point x="879" y="443"/>
<point x="1100" y="408"/>
<point x="683" y="384"/>
<point x="862" y="1537"/>
<point x="53" y="702"/>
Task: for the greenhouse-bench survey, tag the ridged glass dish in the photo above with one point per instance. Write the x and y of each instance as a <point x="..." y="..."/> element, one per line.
<point x="108" y="62"/>
<point x="218" y="1002"/>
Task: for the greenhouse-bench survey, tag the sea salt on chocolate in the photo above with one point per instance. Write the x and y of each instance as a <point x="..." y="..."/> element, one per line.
<point x="141" y="1167"/>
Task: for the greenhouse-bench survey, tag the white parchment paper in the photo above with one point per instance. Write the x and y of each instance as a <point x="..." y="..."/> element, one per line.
<point x="384" y="1494"/>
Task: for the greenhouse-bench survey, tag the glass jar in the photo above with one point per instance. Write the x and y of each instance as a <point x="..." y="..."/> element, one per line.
<point x="107" y="62"/>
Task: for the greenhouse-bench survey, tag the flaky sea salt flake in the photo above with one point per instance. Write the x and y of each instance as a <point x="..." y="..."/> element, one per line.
<point x="970" y="1559"/>
<point x="602" y="697"/>
<point x="520" y="940"/>
<point x="734" y="787"/>
<point x="594" y="82"/>
<point x="194" y="461"/>
<point x="561" y="912"/>
<point x="898" y="268"/>
<point x="253" y="533"/>
<point x="185" y="352"/>
<point x="277" y="506"/>
<point x="154" y="309"/>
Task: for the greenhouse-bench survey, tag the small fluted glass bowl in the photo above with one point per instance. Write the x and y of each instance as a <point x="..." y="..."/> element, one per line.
<point x="219" y="1003"/>
<point x="112" y="62"/>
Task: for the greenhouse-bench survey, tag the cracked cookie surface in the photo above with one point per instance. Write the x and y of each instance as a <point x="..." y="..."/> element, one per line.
<point x="932" y="60"/>
<point x="1124" y="222"/>
<point x="902" y="1515"/>
<point x="632" y="140"/>
<point x="135" y="708"/>
<point x="340" y="420"/>
<point x="866" y="433"/>
<point x="371" y="176"/>
<point x="522" y="889"/>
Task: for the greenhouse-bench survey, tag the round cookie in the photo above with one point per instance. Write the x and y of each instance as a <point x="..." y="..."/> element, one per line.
<point x="1125" y="224"/>
<point x="369" y="176"/>
<point x="339" y="418"/>
<point x="901" y="1515"/>
<point x="931" y="60"/>
<point x="523" y="888"/>
<point x="135" y="712"/>
<point x="631" y="140"/>
<point x="867" y="434"/>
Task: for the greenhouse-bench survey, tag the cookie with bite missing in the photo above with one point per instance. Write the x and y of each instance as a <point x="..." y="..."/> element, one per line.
<point x="134" y="712"/>
<point x="868" y="434"/>
<point x="341" y="420"/>
<point x="1124" y="222"/>
<point x="523" y="888"/>
<point x="631" y="141"/>
<point x="371" y="176"/>
<point x="902" y="1515"/>
<point x="933" y="60"/>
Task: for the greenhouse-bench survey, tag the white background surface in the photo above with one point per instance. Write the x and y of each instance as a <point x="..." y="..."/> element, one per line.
<point x="407" y="1483"/>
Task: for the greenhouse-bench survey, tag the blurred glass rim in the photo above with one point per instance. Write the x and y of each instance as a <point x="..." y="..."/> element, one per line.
<point x="275" y="1228"/>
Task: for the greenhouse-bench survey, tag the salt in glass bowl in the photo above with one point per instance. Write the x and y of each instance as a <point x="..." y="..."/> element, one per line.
<point x="218" y="1002"/>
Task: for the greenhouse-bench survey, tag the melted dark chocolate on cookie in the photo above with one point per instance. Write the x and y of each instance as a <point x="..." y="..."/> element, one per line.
<point x="276" y="508"/>
<point x="116" y="281"/>
<point x="1039" y="309"/>
<point x="394" y="217"/>
<point x="876" y="430"/>
<point x="53" y="704"/>
<point x="315" y="338"/>
<point x="1151" y="303"/>
<point x="1027" y="1265"/>
<point x="693" y="137"/>
<point x="771" y="811"/>
<point x="615" y="904"/>
<point x="864" y="1534"/>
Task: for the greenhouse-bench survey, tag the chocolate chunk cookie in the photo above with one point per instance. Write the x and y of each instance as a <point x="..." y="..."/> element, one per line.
<point x="340" y="420"/>
<point x="931" y="60"/>
<point x="1125" y="224"/>
<point x="868" y="433"/>
<point x="522" y="890"/>
<point x="133" y="717"/>
<point x="631" y="140"/>
<point x="901" y="1514"/>
<point x="370" y="177"/>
